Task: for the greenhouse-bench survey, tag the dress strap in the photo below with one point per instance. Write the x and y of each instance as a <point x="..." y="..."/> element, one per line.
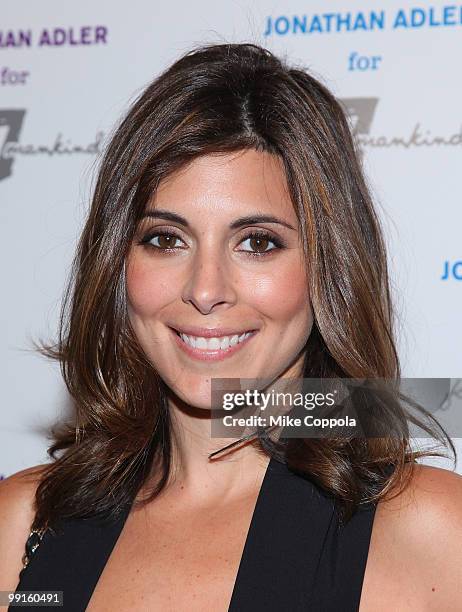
<point x="70" y="558"/>
<point x="32" y="543"/>
<point x="298" y="556"/>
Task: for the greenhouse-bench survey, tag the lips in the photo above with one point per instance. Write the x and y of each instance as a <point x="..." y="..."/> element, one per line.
<point x="214" y="343"/>
<point x="208" y="332"/>
<point x="207" y="353"/>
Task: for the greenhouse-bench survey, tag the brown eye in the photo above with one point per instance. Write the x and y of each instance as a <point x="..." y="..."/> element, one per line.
<point x="166" y="241"/>
<point x="259" y="244"/>
<point x="162" y="241"/>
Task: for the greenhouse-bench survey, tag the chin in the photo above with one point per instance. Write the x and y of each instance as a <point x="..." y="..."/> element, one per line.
<point x="193" y="396"/>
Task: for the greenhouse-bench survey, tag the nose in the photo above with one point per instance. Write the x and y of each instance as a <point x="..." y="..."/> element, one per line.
<point x="209" y="282"/>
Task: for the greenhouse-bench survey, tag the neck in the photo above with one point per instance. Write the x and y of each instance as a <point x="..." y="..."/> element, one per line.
<point x="230" y="472"/>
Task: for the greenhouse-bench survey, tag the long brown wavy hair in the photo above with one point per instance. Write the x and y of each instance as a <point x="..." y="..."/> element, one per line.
<point x="221" y="98"/>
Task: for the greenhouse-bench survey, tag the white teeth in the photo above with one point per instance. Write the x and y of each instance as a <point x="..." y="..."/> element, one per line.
<point x="200" y="343"/>
<point x="212" y="344"/>
<point x="224" y="344"/>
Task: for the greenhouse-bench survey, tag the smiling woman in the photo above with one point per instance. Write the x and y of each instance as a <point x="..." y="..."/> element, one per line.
<point x="221" y="240"/>
<point x="231" y="235"/>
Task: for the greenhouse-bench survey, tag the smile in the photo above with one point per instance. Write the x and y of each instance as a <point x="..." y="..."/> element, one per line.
<point x="211" y="349"/>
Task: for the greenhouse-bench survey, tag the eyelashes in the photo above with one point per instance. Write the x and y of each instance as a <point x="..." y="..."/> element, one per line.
<point x="262" y="236"/>
<point x="259" y="238"/>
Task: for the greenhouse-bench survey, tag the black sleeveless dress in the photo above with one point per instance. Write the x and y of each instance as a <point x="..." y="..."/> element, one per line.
<point x="297" y="557"/>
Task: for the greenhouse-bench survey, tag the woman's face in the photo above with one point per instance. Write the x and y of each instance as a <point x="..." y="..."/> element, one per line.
<point x="195" y="268"/>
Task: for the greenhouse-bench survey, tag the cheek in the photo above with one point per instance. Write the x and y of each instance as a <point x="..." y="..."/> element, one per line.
<point x="282" y="294"/>
<point x="148" y="290"/>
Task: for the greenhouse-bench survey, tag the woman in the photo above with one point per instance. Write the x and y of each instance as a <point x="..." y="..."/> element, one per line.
<point x="231" y="235"/>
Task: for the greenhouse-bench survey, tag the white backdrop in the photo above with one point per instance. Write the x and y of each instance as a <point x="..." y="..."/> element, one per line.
<point x="68" y="72"/>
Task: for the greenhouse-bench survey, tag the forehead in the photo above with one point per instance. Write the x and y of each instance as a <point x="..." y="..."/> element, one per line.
<point x="227" y="184"/>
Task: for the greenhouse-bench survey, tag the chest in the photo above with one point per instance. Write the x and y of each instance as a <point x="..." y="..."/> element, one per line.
<point x="170" y="560"/>
<point x="172" y="556"/>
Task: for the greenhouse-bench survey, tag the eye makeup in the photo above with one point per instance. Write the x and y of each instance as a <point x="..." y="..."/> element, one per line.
<point x="255" y="235"/>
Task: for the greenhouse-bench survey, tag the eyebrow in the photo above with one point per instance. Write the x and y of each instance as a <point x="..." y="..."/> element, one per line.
<point x="240" y="222"/>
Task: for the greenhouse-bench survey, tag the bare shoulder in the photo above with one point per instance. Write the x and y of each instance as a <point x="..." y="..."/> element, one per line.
<point x="17" y="494"/>
<point x="416" y="544"/>
<point x="431" y="501"/>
